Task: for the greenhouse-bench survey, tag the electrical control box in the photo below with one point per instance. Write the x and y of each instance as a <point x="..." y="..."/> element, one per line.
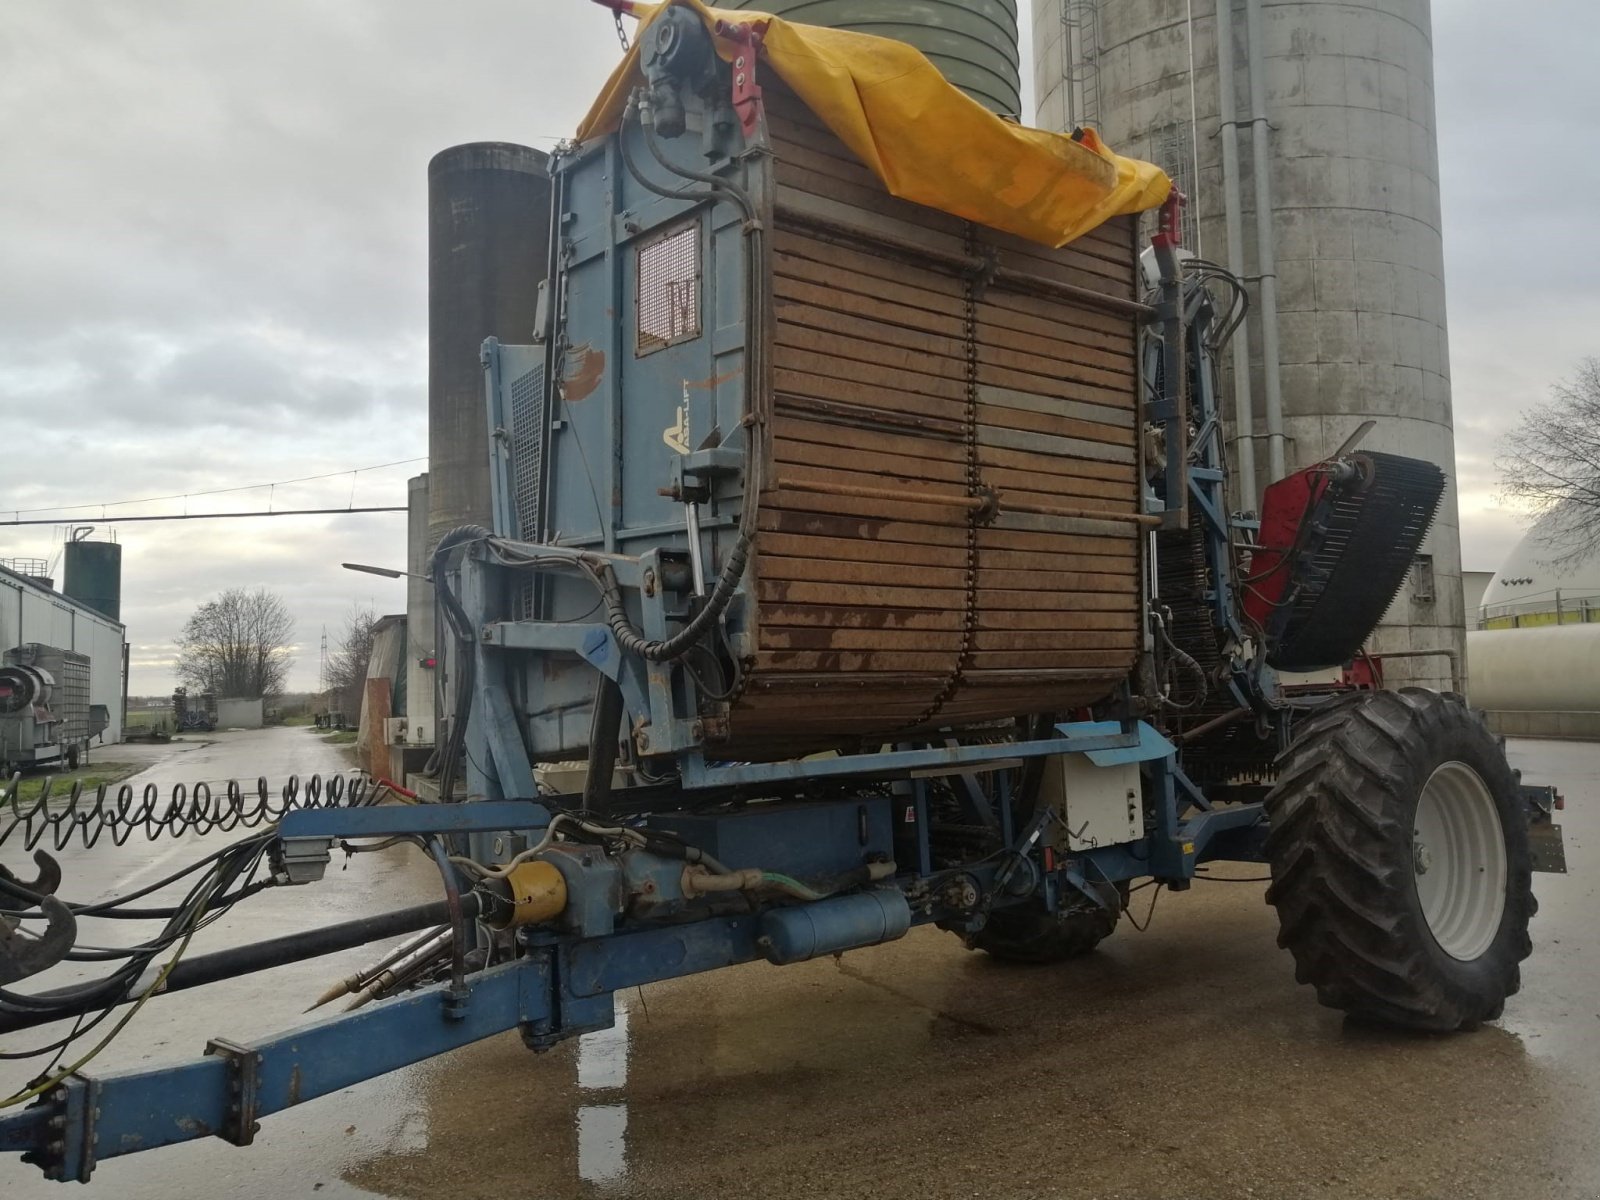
<point x="1098" y="806"/>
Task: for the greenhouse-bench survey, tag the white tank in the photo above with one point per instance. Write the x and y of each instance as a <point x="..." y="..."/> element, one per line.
<point x="1547" y="668"/>
<point x="1354" y="202"/>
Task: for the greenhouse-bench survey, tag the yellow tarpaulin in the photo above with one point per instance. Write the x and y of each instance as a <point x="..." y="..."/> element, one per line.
<point x="926" y="140"/>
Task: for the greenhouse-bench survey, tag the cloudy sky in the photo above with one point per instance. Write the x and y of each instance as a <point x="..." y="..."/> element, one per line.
<point x="213" y="262"/>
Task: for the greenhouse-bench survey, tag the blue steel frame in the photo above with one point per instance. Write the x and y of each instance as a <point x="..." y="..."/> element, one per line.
<point x="562" y="986"/>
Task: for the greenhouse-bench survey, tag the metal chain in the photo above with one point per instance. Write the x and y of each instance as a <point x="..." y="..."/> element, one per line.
<point x="972" y="289"/>
<point x="622" y="34"/>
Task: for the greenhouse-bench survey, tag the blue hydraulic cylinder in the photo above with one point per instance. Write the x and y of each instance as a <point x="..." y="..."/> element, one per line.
<point x="791" y="935"/>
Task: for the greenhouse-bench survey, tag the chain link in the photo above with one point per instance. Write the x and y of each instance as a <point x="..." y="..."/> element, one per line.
<point x="622" y="34"/>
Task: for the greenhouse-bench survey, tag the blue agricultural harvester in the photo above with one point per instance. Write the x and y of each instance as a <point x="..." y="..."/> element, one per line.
<point x="862" y="530"/>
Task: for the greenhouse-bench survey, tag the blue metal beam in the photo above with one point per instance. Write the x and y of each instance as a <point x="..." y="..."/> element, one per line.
<point x="1079" y="737"/>
<point x="131" y="1111"/>
<point x="393" y="820"/>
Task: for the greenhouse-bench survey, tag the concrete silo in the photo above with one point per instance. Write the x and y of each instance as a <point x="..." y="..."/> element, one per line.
<point x="488" y="249"/>
<point x="1333" y="102"/>
<point x="972" y="42"/>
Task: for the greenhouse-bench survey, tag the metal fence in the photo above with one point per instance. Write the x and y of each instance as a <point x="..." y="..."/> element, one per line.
<point x="1555" y="607"/>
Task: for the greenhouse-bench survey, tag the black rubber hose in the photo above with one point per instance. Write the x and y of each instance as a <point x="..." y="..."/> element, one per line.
<point x="605" y="727"/>
<point x="257" y="956"/>
<point x="466" y="674"/>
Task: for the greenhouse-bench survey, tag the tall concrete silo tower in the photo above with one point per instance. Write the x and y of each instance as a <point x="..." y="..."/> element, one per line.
<point x="1320" y="115"/>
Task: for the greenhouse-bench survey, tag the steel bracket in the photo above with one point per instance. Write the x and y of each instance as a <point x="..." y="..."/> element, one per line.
<point x="69" y="1146"/>
<point x="244" y="1090"/>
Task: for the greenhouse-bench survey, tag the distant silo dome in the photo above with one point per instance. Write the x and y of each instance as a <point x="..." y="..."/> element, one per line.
<point x="1530" y="585"/>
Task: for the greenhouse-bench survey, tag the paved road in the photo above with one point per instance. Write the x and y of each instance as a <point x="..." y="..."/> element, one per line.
<point x="1182" y="1062"/>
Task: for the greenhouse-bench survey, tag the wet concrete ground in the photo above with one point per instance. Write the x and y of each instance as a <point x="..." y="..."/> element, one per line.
<point x="1181" y="1062"/>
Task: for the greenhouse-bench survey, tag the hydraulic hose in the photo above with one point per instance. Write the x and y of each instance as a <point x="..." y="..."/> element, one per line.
<point x="242" y="960"/>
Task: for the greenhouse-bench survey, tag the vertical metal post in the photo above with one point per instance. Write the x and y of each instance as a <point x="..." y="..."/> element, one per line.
<point x="1228" y="130"/>
<point x="1266" y="260"/>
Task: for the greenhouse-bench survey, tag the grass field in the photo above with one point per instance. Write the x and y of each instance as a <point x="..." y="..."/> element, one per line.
<point x="92" y="776"/>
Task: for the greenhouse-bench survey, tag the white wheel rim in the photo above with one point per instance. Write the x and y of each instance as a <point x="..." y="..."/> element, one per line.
<point x="1459" y="861"/>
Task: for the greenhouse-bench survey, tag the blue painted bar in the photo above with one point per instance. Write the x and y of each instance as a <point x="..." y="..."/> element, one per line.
<point x="393" y="820"/>
<point x="159" y="1106"/>
<point x="1079" y="737"/>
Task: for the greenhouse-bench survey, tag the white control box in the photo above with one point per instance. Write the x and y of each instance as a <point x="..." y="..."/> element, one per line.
<point x="1099" y="806"/>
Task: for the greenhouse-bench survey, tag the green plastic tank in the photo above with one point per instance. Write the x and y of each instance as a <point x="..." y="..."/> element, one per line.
<point x="974" y="43"/>
<point x="94" y="576"/>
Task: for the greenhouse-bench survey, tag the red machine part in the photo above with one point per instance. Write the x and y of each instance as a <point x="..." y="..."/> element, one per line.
<point x="1284" y="508"/>
<point x="746" y="91"/>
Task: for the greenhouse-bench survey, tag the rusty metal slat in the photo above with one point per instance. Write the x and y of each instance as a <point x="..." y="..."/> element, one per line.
<point x="825" y="487"/>
<point x="1056" y="370"/>
<point x="875" y="510"/>
<point x="870" y="531"/>
<point x="823" y="218"/>
<point x="1036" y="462"/>
<point x="836" y="299"/>
<point x="991" y="374"/>
<point x="1120" y="661"/>
<point x="795" y="248"/>
<point x="1010" y="620"/>
<point x="859" y="414"/>
<point x="824" y="638"/>
<point x="815" y="454"/>
<point x="856" y="660"/>
<point x="1058" y="582"/>
<point x="1038" y="487"/>
<point x="799" y="349"/>
<point x="1065" y="560"/>
<point x="1061" y="348"/>
<point x="825" y="616"/>
<point x="934" y="447"/>
<point x="784" y="591"/>
<point x="868" y="328"/>
<point x="1052" y="600"/>
<point x="1087" y="514"/>
<point x="1114" y="539"/>
<point x="1123" y="417"/>
<point x="812" y="570"/>
<point x="1116" y="329"/>
<point x="997" y="416"/>
<point x="1013" y="439"/>
<point x="1055" y="639"/>
<point x="789" y="545"/>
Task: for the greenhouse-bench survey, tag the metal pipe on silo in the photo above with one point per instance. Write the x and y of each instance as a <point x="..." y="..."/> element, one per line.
<point x="488" y="230"/>
<point x="1266" y="256"/>
<point x="1244" y="455"/>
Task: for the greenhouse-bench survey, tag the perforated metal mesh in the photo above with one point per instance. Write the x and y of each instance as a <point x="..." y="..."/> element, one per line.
<point x="527" y="450"/>
<point x="669" y="289"/>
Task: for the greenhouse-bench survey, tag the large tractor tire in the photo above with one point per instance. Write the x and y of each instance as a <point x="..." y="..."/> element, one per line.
<point x="1400" y="864"/>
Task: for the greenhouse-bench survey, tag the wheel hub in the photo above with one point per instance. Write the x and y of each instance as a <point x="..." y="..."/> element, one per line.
<point x="1459" y="861"/>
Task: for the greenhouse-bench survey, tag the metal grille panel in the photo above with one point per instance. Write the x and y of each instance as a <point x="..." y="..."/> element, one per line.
<point x="668" y="305"/>
<point x="527" y="450"/>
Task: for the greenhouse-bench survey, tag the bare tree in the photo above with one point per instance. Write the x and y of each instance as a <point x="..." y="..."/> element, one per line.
<point x="1551" y="464"/>
<point x="237" y="644"/>
<point x="347" y="666"/>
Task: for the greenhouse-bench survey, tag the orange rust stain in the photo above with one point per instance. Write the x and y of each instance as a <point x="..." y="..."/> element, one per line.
<point x="585" y="368"/>
<point x="714" y="381"/>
